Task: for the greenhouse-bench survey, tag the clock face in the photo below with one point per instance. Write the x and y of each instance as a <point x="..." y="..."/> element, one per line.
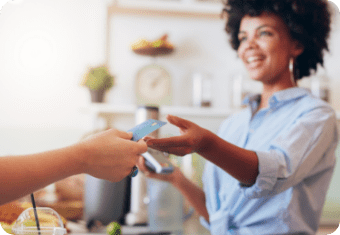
<point x="153" y="86"/>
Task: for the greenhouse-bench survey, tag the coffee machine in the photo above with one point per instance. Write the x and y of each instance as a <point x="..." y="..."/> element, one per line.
<point x="138" y="214"/>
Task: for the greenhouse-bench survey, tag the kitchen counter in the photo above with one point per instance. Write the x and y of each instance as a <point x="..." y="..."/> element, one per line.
<point x="191" y="226"/>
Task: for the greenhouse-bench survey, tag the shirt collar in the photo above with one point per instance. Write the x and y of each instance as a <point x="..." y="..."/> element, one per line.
<point x="277" y="97"/>
<point x="251" y="98"/>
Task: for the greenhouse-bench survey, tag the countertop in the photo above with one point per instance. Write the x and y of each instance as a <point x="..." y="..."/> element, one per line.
<point x="190" y="226"/>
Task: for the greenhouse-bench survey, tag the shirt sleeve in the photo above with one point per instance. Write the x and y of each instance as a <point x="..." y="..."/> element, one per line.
<point x="204" y="223"/>
<point x="301" y="151"/>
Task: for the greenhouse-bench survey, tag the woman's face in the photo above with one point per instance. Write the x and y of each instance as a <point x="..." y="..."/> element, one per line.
<point x="266" y="47"/>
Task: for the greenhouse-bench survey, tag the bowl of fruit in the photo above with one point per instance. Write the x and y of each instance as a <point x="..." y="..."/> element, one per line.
<point x="160" y="46"/>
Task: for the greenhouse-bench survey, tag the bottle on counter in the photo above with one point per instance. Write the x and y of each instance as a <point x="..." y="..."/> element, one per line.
<point x="242" y="86"/>
<point x="202" y="89"/>
<point x="318" y="84"/>
<point x="320" y="87"/>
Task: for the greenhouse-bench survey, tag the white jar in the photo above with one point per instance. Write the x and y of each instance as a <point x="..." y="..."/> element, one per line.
<point x="202" y="89"/>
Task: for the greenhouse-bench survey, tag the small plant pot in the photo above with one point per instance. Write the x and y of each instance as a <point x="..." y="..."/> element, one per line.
<point x="97" y="96"/>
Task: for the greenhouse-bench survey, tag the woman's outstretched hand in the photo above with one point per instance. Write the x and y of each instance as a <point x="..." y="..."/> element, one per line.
<point x="192" y="139"/>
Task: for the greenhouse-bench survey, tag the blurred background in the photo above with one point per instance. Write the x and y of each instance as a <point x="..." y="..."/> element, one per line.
<point x="46" y="47"/>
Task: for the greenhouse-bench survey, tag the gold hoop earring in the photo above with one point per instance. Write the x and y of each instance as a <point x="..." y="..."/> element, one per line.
<point x="291" y="70"/>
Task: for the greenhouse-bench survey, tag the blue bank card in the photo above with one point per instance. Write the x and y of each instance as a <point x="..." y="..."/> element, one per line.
<point x="145" y="128"/>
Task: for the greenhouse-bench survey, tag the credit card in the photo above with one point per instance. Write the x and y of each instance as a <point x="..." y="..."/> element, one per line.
<point x="145" y="128"/>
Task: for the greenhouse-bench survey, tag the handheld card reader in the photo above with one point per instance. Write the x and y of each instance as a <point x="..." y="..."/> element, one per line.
<point x="157" y="162"/>
<point x="153" y="162"/>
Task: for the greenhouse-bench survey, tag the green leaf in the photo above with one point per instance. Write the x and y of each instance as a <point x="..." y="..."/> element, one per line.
<point x="98" y="78"/>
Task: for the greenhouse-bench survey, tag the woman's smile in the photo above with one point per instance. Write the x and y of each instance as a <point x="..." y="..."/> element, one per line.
<point x="265" y="47"/>
<point x="254" y="61"/>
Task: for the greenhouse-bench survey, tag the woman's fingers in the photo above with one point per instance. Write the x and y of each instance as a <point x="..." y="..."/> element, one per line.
<point x="149" y="174"/>
<point x="179" y="151"/>
<point x="147" y="138"/>
<point x="144" y="169"/>
<point x="175" y="141"/>
<point x="177" y="121"/>
<point x="141" y="164"/>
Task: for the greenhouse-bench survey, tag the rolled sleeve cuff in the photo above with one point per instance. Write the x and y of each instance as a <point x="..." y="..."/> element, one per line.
<point x="265" y="181"/>
<point x="204" y="223"/>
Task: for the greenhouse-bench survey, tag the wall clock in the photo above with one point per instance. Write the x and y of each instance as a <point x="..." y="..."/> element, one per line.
<point x="153" y="86"/>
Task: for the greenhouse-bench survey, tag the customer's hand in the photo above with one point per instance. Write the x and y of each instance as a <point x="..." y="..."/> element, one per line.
<point x="192" y="138"/>
<point x="111" y="154"/>
<point x="173" y="178"/>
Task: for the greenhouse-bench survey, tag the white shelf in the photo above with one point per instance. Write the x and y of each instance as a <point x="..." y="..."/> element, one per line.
<point x="179" y="8"/>
<point x="102" y="108"/>
<point x="187" y="111"/>
<point x="196" y="111"/>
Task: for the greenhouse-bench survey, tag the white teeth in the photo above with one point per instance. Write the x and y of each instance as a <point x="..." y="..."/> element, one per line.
<point x="253" y="58"/>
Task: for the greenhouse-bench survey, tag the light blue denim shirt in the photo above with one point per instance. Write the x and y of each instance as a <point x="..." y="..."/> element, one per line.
<point x="295" y="139"/>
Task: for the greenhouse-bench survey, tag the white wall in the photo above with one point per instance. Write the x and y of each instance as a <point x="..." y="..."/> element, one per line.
<point x="332" y="58"/>
<point x="45" y="47"/>
<point x="200" y="45"/>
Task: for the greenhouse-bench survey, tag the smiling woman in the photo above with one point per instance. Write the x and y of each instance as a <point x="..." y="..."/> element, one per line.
<point x="270" y="166"/>
<point x="305" y="24"/>
<point x="266" y="48"/>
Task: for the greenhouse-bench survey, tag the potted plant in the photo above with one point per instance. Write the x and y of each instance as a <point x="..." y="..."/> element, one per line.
<point x="98" y="80"/>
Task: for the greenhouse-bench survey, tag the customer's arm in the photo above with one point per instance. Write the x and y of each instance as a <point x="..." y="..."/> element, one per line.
<point x="108" y="155"/>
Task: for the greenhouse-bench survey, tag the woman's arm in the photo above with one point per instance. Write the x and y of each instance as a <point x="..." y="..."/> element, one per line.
<point x="194" y="194"/>
<point x="108" y="155"/>
<point x="189" y="190"/>
<point x="242" y="164"/>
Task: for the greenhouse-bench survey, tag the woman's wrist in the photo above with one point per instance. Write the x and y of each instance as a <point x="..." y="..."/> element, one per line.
<point x="206" y="142"/>
<point x="178" y="178"/>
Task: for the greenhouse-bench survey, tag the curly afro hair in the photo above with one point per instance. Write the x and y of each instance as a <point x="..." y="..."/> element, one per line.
<point x="308" y="22"/>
